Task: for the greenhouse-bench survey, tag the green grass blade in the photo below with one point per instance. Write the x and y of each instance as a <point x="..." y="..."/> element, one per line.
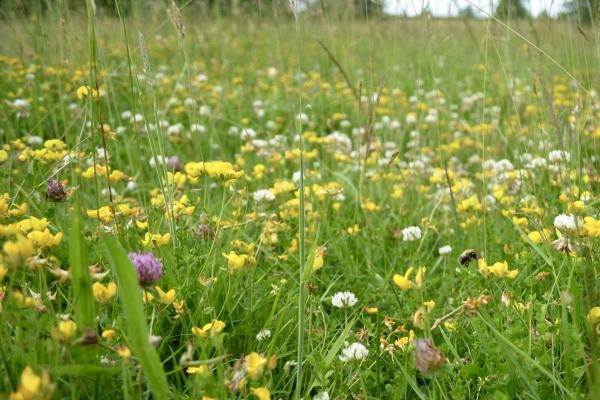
<point x="85" y="308"/>
<point x="137" y="330"/>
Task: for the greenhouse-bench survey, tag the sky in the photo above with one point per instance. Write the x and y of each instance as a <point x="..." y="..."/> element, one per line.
<point x="448" y="7"/>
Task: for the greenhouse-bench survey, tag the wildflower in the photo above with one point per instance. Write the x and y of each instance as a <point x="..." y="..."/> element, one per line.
<point x="236" y="262"/>
<point x="64" y="330"/>
<point x="201" y="369"/>
<point x="593" y="316"/>
<point x="442" y="251"/>
<point x="210" y="329"/>
<point x="123" y="351"/>
<point x="174" y="164"/>
<point x="84" y="91"/>
<point x="103" y="293"/>
<point x="591" y="226"/>
<point x="565" y="223"/>
<point x="406" y="341"/>
<point x="148" y="267"/>
<point x="427" y="357"/>
<point x="44" y="238"/>
<point x="411" y="233"/>
<point x="538" y="237"/>
<point x="255" y="364"/>
<point x="559" y="155"/>
<point x="355" y="351"/>
<point x="264" y="334"/>
<point x="321" y="396"/>
<point x="404" y="283"/>
<point x="261" y="393"/>
<point x="499" y="269"/>
<point x="318" y="261"/>
<point x="33" y="387"/>
<point x="55" y="191"/>
<point x="343" y="299"/>
<point x="156" y="240"/>
<point x="165" y="298"/>
<point x="109" y="334"/>
<point x="263" y="195"/>
<point x="21" y="106"/>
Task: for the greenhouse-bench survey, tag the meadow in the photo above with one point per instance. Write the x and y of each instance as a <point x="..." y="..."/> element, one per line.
<point x="309" y="206"/>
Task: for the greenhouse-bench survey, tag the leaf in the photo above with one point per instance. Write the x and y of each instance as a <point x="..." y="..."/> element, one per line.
<point x="85" y="307"/>
<point x="130" y="297"/>
<point x="471" y="371"/>
<point x="339" y="343"/>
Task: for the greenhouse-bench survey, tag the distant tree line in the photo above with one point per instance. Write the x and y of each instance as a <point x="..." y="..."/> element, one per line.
<point x="584" y="11"/>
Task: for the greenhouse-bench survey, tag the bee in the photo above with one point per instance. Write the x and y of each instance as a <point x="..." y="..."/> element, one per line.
<point x="467" y="256"/>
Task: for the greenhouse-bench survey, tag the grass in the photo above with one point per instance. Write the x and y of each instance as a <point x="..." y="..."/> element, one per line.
<point x="478" y="132"/>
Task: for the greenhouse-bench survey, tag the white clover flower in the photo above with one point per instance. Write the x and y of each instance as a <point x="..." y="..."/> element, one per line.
<point x="204" y="110"/>
<point x="158" y="160"/>
<point x="263" y="195"/>
<point x="264" y="334"/>
<point x="565" y="223"/>
<point x="445" y="250"/>
<point x="247" y="134"/>
<point x="559" y="155"/>
<point x="22" y="107"/>
<point x="321" y="396"/>
<point x="411" y="233"/>
<point x="197" y="128"/>
<point x="303" y="118"/>
<point x="343" y="299"/>
<point x="356" y="351"/>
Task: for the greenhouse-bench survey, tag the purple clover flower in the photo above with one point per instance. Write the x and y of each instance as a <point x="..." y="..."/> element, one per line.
<point x="174" y="164"/>
<point x="428" y="358"/>
<point x="55" y="191"/>
<point x="149" y="268"/>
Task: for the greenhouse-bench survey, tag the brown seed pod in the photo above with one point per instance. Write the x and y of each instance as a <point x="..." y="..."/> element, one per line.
<point x="467" y="256"/>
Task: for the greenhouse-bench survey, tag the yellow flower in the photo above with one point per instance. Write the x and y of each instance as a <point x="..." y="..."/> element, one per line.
<point x="3" y="156"/>
<point x="179" y="306"/>
<point x="371" y="310"/>
<point x="212" y="328"/>
<point x="405" y="342"/>
<point x="318" y="261"/>
<point x="593" y="316"/>
<point x="261" y="393"/>
<point x="109" y="334"/>
<point x="450" y="326"/>
<point x="64" y="331"/>
<point x="102" y="293"/>
<point x="430" y="305"/>
<point x="33" y="387"/>
<point x="156" y="239"/>
<point x="123" y="351"/>
<point x="45" y="238"/>
<point x="19" y="249"/>
<point x="82" y="92"/>
<point x="235" y="262"/>
<point x="105" y="214"/>
<point x="165" y="298"/>
<point x="255" y="364"/>
<point x="147" y="297"/>
<point x="197" y="370"/>
<point x="403" y="282"/>
<point x="499" y="269"/>
<point x="591" y="227"/>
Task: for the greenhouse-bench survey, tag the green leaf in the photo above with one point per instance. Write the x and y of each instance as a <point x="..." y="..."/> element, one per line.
<point x="85" y="307"/>
<point x="130" y="297"/>
<point x="471" y="371"/>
